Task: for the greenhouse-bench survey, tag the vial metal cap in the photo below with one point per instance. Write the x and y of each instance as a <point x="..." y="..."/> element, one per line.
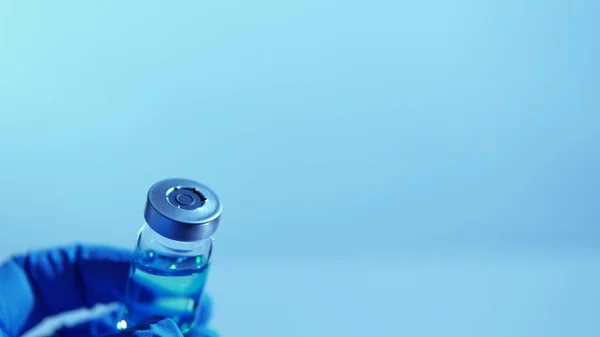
<point x="182" y="210"/>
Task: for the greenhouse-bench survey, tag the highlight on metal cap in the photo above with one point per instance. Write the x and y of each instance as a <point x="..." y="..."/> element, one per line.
<point x="182" y="209"/>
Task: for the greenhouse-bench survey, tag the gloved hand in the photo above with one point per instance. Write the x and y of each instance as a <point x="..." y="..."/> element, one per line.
<point x="48" y="282"/>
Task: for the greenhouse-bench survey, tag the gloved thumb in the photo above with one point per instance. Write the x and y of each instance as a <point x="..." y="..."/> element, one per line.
<point x="154" y="328"/>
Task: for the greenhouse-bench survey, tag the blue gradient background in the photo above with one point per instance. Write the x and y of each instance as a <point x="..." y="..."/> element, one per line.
<point x="388" y="168"/>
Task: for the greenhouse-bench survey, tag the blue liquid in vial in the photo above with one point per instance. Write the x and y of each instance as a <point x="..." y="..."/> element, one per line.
<point x="164" y="286"/>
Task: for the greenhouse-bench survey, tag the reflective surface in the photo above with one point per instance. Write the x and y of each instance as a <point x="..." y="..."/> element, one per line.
<point x="164" y="286"/>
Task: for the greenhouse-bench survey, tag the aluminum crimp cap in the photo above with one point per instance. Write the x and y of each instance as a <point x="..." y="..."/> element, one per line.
<point x="182" y="210"/>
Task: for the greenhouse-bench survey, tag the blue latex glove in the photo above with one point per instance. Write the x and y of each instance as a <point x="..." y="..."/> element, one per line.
<point x="48" y="282"/>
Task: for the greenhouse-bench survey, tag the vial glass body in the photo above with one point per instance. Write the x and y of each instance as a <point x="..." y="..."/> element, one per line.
<point x="167" y="279"/>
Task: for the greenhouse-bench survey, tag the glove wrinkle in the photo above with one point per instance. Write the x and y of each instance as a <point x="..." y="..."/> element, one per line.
<point x="79" y="283"/>
<point x="40" y="307"/>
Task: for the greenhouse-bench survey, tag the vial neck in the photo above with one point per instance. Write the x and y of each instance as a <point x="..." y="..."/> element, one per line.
<point x="150" y="239"/>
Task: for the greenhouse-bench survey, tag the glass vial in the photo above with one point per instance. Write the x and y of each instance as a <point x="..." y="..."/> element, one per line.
<point x="172" y="256"/>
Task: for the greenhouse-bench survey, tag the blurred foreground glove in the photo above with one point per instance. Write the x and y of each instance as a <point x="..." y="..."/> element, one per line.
<point x="49" y="282"/>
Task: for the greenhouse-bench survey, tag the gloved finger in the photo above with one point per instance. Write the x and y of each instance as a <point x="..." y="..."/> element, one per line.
<point x="206" y="311"/>
<point x="47" y="282"/>
<point x="163" y="328"/>
<point x="107" y="324"/>
<point x="202" y="332"/>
